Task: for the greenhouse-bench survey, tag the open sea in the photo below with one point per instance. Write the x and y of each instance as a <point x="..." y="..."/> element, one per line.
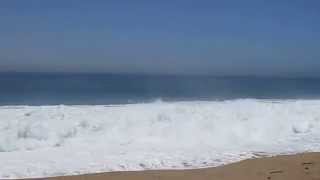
<point x="95" y="89"/>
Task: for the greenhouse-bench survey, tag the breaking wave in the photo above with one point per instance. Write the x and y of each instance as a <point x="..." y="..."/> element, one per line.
<point x="152" y="135"/>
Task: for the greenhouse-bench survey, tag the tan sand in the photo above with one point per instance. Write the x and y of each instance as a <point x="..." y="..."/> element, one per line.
<point x="293" y="167"/>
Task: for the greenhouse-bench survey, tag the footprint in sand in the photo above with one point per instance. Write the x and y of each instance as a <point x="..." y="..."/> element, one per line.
<point x="307" y="166"/>
<point x="273" y="174"/>
<point x="311" y="169"/>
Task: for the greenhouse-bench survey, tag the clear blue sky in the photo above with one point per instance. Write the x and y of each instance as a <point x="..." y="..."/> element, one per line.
<point x="271" y="37"/>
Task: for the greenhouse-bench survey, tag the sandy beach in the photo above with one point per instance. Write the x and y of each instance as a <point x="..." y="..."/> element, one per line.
<point x="285" y="167"/>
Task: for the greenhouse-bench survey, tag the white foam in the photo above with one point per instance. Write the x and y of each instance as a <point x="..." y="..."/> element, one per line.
<point x="38" y="141"/>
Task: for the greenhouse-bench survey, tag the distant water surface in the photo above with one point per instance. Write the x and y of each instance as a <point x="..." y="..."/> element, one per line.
<point x="78" y="89"/>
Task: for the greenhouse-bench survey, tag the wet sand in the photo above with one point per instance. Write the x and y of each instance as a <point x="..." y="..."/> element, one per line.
<point x="289" y="167"/>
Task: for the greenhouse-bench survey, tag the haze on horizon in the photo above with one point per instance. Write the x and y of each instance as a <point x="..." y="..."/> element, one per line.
<point x="260" y="38"/>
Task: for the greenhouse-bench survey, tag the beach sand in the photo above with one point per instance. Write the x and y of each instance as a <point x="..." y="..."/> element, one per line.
<point x="286" y="167"/>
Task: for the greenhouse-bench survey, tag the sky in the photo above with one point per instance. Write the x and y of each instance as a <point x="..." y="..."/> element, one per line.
<point x="223" y="38"/>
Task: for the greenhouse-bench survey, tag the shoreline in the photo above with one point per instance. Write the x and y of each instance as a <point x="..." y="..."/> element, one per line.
<point x="304" y="166"/>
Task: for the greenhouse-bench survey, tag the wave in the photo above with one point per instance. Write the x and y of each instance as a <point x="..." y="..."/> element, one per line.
<point x="69" y="139"/>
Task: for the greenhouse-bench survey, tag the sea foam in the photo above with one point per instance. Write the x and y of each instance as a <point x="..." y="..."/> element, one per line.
<point x="40" y="141"/>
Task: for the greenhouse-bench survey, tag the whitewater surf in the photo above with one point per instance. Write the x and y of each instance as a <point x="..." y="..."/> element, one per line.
<point x="37" y="141"/>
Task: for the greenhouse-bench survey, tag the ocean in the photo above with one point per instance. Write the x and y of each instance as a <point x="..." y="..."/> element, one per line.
<point x="97" y="89"/>
<point x="63" y="124"/>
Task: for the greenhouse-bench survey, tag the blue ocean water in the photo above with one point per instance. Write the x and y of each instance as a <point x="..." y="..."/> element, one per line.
<point x="79" y="89"/>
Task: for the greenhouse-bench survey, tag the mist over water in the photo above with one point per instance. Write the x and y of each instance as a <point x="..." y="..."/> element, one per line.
<point x="94" y="89"/>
